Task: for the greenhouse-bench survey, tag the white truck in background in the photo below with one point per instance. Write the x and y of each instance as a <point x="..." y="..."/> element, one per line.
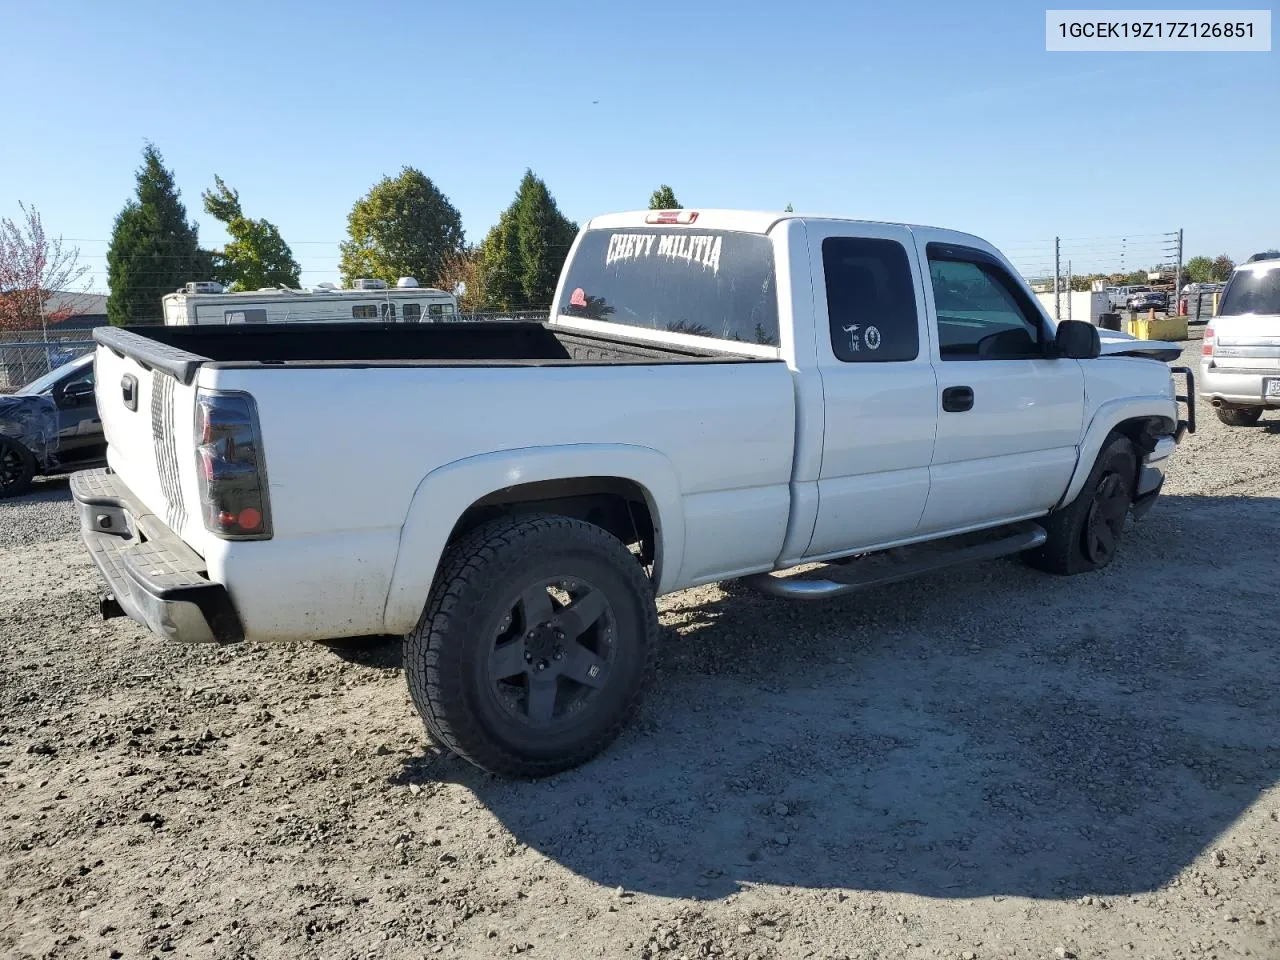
<point x="208" y="302"/>
<point x="718" y="394"/>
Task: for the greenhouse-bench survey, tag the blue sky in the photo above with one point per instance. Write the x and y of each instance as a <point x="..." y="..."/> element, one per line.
<point x="935" y="112"/>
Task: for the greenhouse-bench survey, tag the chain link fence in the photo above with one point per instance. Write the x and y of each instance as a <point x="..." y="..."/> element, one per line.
<point x="27" y="355"/>
<point x="533" y="314"/>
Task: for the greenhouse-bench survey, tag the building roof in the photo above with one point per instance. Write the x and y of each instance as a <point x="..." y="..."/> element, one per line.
<point x="71" y="302"/>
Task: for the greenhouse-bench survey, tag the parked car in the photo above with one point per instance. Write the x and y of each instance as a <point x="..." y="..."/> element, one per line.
<point x="718" y="395"/>
<point x="1148" y="299"/>
<point x="1240" y="362"/>
<point x="50" y="426"/>
<point x="1119" y="296"/>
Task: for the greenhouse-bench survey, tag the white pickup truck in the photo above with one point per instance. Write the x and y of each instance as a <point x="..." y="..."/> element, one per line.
<point x="719" y="394"/>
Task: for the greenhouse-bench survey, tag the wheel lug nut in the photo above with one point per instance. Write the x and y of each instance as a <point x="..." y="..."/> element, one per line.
<point x="559" y="654"/>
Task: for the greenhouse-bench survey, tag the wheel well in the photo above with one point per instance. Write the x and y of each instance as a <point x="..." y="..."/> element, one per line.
<point x="1144" y="431"/>
<point x="615" y="504"/>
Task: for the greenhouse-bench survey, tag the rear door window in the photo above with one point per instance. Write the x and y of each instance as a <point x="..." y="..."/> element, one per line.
<point x="871" y="300"/>
<point x="708" y="283"/>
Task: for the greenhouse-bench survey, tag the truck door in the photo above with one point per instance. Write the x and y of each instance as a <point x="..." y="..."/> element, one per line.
<point x="880" y="396"/>
<point x="1009" y="417"/>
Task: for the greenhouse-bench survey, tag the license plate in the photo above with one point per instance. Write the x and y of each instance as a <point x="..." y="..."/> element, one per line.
<point x="1271" y="388"/>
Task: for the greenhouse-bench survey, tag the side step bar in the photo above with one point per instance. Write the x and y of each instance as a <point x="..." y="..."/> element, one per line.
<point x="863" y="574"/>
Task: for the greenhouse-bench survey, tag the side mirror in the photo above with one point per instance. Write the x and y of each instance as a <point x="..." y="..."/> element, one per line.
<point x="79" y="392"/>
<point x="1077" y="340"/>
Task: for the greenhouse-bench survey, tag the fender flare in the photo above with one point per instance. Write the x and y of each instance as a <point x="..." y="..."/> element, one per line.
<point x="1105" y="419"/>
<point x="445" y="494"/>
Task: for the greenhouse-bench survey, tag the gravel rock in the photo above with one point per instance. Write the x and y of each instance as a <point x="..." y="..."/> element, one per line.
<point x="997" y="747"/>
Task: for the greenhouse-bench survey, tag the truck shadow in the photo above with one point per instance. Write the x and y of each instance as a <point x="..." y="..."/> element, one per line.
<point x="996" y="732"/>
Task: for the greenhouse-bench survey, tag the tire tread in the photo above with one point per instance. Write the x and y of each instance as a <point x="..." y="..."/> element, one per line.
<point x="455" y="594"/>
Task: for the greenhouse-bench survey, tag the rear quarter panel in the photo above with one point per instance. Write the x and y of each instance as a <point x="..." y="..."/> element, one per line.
<point x="347" y="449"/>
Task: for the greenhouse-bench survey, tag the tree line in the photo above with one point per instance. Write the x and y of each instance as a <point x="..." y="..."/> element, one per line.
<point x="404" y="226"/>
<point x="1199" y="269"/>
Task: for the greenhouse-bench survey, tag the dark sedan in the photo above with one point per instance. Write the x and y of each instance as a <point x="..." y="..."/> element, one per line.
<point x="1148" y="300"/>
<point x="49" y="426"/>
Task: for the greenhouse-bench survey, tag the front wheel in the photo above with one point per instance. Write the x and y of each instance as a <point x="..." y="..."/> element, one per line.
<point x="1085" y="535"/>
<point x="17" y="467"/>
<point x="535" y="646"/>
<point x="1239" y="416"/>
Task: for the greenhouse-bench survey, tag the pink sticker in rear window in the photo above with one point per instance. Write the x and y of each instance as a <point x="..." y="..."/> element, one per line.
<point x="578" y="298"/>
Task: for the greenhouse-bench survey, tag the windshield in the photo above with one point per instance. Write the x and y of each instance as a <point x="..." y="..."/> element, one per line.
<point x="708" y="283"/>
<point x="1252" y="291"/>
<point x="42" y="384"/>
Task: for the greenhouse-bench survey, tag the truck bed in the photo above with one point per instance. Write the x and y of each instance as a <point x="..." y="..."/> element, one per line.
<point x="181" y="351"/>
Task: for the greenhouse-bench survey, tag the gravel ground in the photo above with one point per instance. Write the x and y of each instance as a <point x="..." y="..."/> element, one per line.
<point x="993" y="763"/>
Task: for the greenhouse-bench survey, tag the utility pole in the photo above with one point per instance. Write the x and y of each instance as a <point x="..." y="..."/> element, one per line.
<point x="1070" y="287"/>
<point x="1057" y="273"/>
<point x="1177" y="277"/>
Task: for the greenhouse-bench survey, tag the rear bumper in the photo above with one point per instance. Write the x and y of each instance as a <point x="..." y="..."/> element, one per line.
<point x="1235" y="386"/>
<point x="153" y="577"/>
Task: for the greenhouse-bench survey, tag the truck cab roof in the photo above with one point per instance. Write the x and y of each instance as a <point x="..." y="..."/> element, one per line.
<point x="758" y="221"/>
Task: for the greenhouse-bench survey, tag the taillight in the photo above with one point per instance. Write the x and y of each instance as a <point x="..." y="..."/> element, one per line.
<point x="233" y="494"/>
<point x="1206" y="349"/>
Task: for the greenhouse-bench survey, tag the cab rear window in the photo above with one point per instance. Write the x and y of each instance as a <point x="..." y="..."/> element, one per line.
<point x="709" y="283"/>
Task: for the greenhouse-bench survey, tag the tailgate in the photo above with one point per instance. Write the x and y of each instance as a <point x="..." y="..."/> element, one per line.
<point x="148" y="416"/>
<point x="1247" y="343"/>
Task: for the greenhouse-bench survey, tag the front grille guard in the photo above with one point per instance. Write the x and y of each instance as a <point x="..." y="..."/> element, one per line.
<point x="1189" y="398"/>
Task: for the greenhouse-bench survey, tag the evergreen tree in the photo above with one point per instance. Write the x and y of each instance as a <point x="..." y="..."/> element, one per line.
<point x="154" y="249"/>
<point x="521" y="258"/>
<point x="403" y="227"/>
<point x="500" y="265"/>
<point x="664" y="198"/>
<point x="257" y="255"/>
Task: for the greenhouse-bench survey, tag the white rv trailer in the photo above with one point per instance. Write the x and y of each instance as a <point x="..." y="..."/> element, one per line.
<point x="207" y="302"/>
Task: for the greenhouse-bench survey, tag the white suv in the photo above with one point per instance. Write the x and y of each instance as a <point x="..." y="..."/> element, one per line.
<point x="1240" y="365"/>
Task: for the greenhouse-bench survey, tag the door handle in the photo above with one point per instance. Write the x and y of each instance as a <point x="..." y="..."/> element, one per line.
<point x="957" y="399"/>
<point x="129" y="391"/>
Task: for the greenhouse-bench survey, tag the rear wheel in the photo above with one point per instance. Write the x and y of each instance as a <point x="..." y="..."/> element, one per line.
<point x="1238" y="416"/>
<point x="535" y="646"/>
<point x="17" y="467"/>
<point x="1085" y="535"/>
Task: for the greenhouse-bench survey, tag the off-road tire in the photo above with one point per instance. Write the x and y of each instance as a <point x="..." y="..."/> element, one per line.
<point x="1066" y="551"/>
<point x="445" y="656"/>
<point x="17" y="468"/>
<point x="1238" y="416"/>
